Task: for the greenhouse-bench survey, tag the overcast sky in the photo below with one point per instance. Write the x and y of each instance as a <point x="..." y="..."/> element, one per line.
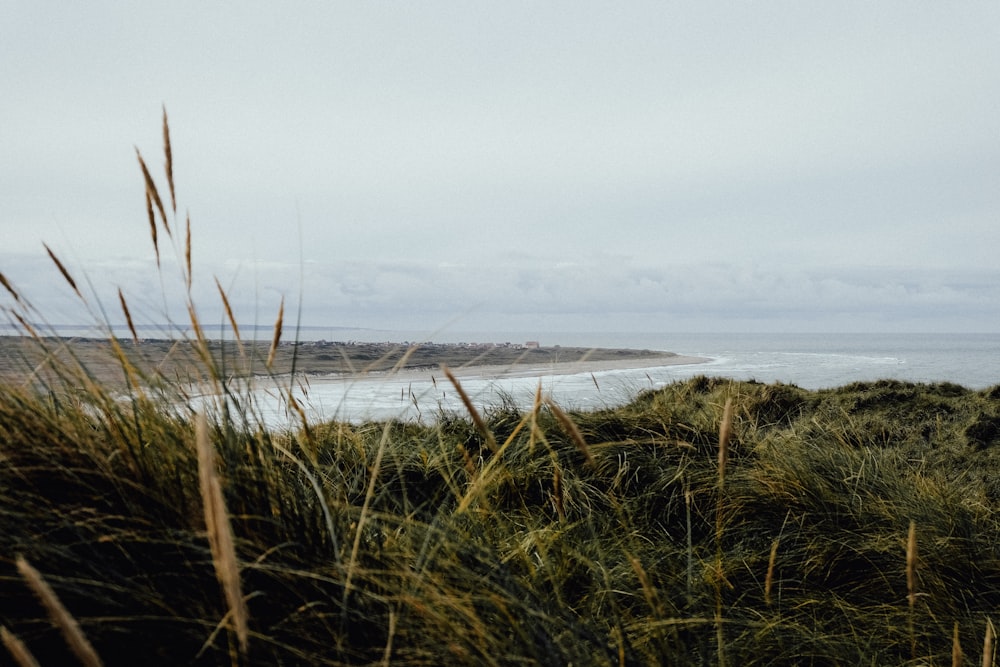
<point x="511" y="166"/>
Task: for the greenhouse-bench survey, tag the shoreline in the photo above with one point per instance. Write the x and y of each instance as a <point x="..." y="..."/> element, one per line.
<point x="320" y="361"/>
<point x="499" y="371"/>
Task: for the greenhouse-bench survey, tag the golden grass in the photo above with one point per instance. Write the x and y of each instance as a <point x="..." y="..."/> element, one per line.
<point x="220" y="533"/>
<point x="63" y="270"/>
<point x="187" y="252"/>
<point x="957" y="657"/>
<point x="276" y="338"/>
<point x="22" y="656"/>
<point x="59" y="615"/>
<point x="153" y="193"/>
<point x="477" y="418"/>
<point x="769" y="578"/>
<point x="988" y="647"/>
<point x="911" y="564"/>
<point x="725" y="434"/>
<point x="7" y="286"/>
<point x="169" y="161"/>
<point x="128" y="316"/>
<point x="152" y="228"/>
<point x="572" y="430"/>
<point x="231" y="317"/>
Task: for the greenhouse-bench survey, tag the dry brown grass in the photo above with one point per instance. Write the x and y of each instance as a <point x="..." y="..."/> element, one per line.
<point x="769" y="579"/>
<point x="128" y="316"/>
<point x="572" y="430"/>
<point x="725" y="434"/>
<point x="957" y="658"/>
<point x="187" y="251"/>
<point x="152" y="228"/>
<point x="7" y="286"/>
<point x="63" y="270"/>
<point x="477" y="418"/>
<point x="911" y="564"/>
<point x="988" y="637"/>
<point x="152" y="193"/>
<point x="169" y="161"/>
<point x="60" y="616"/>
<point x="220" y="533"/>
<point x="22" y="656"/>
<point x="276" y="338"/>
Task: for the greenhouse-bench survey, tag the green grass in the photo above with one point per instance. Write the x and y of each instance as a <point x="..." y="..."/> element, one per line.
<point x="418" y="544"/>
<point x="524" y="537"/>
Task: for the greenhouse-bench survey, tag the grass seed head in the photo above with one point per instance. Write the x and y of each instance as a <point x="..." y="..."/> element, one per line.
<point x="152" y="227"/>
<point x="22" y="656"/>
<point x="573" y="431"/>
<point x="169" y="160"/>
<point x="957" y="658"/>
<point x="725" y="434"/>
<point x="7" y="286"/>
<point x="911" y="564"/>
<point x="988" y="644"/>
<point x="62" y="619"/>
<point x="220" y="532"/>
<point x="128" y="316"/>
<point x="277" y="333"/>
<point x="187" y="251"/>
<point x="152" y="192"/>
<point x="62" y="270"/>
<point x="477" y="418"/>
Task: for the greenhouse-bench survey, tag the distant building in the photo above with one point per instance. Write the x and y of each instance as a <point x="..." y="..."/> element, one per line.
<point x="532" y="344"/>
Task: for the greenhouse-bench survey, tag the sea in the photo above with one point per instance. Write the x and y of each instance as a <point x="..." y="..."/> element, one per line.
<point x="810" y="361"/>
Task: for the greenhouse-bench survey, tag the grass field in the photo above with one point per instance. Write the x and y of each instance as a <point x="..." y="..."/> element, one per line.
<point x="710" y="522"/>
<point x="615" y="537"/>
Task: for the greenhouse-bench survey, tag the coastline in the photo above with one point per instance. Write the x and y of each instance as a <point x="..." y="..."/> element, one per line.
<point x="320" y="361"/>
<point x="497" y="371"/>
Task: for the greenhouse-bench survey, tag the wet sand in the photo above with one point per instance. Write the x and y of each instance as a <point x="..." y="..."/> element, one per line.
<point x="22" y="357"/>
<point x="494" y="371"/>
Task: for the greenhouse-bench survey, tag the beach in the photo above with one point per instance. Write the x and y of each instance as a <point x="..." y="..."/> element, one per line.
<point x="321" y="361"/>
<point x="499" y="371"/>
<point x="422" y="393"/>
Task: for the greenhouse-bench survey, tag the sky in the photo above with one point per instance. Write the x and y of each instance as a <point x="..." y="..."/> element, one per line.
<point x="509" y="166"/>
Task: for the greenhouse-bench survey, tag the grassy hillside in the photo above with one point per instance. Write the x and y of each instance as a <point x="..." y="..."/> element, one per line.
<point x="707" y="523"/>
<point x="518" y="538"/>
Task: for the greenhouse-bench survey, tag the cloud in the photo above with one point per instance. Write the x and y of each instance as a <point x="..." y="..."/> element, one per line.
<point x="549" y="165"/>
<point x="609" y="295"/>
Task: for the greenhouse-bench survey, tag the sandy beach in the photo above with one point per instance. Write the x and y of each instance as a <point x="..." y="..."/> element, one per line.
<point x="497" y="371"/>
<point x="322" y="361"/>
<point x="422" y="393"/>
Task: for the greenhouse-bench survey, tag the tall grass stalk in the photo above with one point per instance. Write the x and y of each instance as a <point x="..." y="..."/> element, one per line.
<point x="22" y="656"/>
<point x="988" y="637"/>
<point x="957" y="657"/>
<point x="911" y="583"/>
<point x="725" y="434"/>
<point x="769" y="577"/>
<point x="477" y="419"/>
<point x="220" y="533"/>
<point x="60" y="616"/>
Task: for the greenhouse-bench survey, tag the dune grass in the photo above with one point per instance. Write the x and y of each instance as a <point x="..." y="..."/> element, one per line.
<point x="709" y="522"/>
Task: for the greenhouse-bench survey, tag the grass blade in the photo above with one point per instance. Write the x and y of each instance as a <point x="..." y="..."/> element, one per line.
<point x="62" y="619"/>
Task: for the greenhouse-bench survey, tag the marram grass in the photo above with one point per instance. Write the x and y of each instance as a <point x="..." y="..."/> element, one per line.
<point x="704" y="523"/>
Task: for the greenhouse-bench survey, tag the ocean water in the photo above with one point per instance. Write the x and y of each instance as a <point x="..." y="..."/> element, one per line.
<point x="811" y="361"/>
